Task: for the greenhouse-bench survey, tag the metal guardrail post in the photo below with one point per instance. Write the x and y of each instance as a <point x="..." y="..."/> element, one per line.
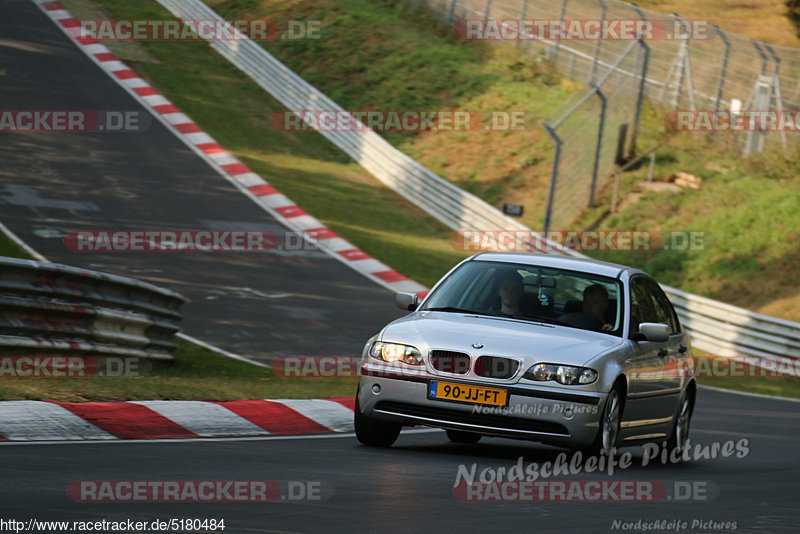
<point x="553" y="176"/>
<point x="598" y="148"/>
<point x="724" y="71"/>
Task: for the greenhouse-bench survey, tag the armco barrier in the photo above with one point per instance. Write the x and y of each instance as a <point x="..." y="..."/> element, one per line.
<point x="60" y="310"/>
<point x="715" y="327"/>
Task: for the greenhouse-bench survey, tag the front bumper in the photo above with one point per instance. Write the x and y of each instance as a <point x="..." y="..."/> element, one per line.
<point x="539" y="414"/>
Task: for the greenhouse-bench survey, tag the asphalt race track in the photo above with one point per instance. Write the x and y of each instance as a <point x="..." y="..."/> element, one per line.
<point x="257" y="304"/>
<point x="409" y="488"/>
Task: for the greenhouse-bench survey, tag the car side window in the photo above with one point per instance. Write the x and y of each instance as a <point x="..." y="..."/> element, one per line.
<point x="664" y="310"/>
<point x="641" y="304"/>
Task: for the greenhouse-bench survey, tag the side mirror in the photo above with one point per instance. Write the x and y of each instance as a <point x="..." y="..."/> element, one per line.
<point x="407" y="301"/>
<point x="654" y="331"/>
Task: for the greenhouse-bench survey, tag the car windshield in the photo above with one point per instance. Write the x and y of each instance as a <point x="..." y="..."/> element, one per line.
<point x="532" y="293"/>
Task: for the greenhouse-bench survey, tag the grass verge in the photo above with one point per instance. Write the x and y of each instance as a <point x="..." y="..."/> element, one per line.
<point x="195" y="374"/>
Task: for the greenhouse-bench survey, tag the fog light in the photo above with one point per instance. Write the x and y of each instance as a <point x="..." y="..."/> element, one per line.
<point x="376" y="389"/>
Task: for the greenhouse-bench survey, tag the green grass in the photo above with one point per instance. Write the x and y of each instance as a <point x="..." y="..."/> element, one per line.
<point x="10" y="249"/>
<point x="748" y="211"/>
<point x="195" y="374"/>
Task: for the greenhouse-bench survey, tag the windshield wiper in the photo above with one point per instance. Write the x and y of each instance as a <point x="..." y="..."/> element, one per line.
<point x="540" y="319"/>
<point x="453" y="310"/>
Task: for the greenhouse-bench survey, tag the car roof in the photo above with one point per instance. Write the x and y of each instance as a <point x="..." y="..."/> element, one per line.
<point x="570" y="263"/>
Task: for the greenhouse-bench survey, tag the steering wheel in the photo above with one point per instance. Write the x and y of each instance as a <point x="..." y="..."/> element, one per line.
<point x="587" y="321"/>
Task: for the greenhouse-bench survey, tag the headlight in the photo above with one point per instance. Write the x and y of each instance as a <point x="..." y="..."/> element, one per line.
<point x="394" y="352"/>
<point x="563" y="374"/>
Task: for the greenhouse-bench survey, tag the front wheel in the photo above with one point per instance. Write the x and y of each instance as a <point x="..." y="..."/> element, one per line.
<point x="608" y="432"/>
<point x="371" y="432"/>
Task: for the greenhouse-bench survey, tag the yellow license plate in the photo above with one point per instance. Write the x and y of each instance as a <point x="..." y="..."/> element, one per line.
<point x="466" y="393"/>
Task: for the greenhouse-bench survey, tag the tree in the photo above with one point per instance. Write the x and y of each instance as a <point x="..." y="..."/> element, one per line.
<point x="793" y="12"/>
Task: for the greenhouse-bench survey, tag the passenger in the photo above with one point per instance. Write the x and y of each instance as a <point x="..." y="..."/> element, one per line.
<point x="595" y="302"/>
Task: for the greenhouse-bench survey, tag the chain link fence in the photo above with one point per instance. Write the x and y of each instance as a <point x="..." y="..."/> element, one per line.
<point x="689" y="66"/>
<point x="593" y="133"/>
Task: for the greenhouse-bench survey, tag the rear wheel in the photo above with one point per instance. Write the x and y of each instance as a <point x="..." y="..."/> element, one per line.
<point x="371" y="432"/>
<point x="683" y="419"/>
<point x="459" y="436"/>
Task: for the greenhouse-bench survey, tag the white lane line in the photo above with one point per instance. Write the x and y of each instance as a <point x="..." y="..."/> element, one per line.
<point x="204" y="418"/>
<point x="748" y="394"/>
<point x="37" y="420"/>
<point x="329" y="414"/>
<point x="279" y="437"/>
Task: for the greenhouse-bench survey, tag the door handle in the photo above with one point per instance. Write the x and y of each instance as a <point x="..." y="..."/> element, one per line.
<point x="663" y="352"/>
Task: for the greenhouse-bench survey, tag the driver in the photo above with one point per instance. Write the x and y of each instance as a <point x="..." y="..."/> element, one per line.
<point x="595" y="302"/>
<point x="510" y="292"/>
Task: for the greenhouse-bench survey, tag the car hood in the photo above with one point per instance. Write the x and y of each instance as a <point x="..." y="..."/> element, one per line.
<point x="530" y="342"/>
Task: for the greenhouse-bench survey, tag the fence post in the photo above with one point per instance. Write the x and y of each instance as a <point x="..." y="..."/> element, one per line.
<point x="558" y="41"/>
<point x="724" y="71"/>
<point x="762" y="54"/>
<point x="617" y="176"/>
<point x="651" y="166"/>
<point x="486" y="12"/>
<point x="639" y="99"/>
<point x="553" y="176"/>
<point x="522" y="14"/>
<point x="452" y="14"/>
<point x="595" y="167"/>
<point x="776" y="89"/>
<point x="603" y="9"/>
<point x="685" y="67"/>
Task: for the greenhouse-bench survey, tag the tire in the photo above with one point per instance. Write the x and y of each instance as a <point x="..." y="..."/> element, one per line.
<point x="683" y="419"/>
<point x="371" y="432"/>
<point x="460" y="436"/>
<point x="608" y="433"/>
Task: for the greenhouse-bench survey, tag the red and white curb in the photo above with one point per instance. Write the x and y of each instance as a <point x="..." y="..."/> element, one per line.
<point x="61" y="421"/>
<point x="264" y="194"/>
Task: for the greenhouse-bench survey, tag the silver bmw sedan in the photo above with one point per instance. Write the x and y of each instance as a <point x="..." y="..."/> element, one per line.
<point x="570" y="352"/>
